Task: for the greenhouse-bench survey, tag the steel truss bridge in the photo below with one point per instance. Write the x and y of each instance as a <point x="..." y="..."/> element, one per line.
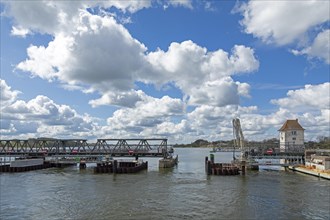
<point x="80" y="147"/>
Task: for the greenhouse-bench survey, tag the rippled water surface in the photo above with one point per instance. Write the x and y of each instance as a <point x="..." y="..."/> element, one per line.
<point x="184" y="192"/>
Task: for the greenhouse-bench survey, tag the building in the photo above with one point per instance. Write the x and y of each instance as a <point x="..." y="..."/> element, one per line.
<point x="291" y="137"/>
<point x="319" y="162"/>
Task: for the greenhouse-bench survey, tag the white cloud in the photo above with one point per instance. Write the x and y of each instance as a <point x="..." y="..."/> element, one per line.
<point x="177" y="3"/>
<point x="165" y="117"/>
<point x="283" y="22"/>
<point x="89" y="57"/>
<point x="216" y="93"/>
<point x="310" y="105"/>
<point x="53" y="16"/>
<point x="289" y="22"/>
<point x="7" y="95"/>
<point x="19" y="31"/>
<point x="147" y="113"/>
<point x="203" y="76"/>
<point x="124" y="99"/>
<point x="320" y="47"/>
<point x="48" y="62"/>
<point x="41" y="116"/>
<point x="243" y="89"/>
<point x="95" y="53"/>
<point x="312" y="97"/>
<point x="132" y="6"/>
<point x="100" y="53"/>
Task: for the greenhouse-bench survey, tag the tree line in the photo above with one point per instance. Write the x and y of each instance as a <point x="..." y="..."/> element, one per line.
<point x="321" y="142"/>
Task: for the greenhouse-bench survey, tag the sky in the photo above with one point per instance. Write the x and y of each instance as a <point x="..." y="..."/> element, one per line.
<point x="175" y="69"/>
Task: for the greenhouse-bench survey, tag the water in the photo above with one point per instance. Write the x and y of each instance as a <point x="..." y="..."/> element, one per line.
<point x="184" y="192"/>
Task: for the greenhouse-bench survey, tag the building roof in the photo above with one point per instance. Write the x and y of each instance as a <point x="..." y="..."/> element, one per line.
<point x="291" y="125"/>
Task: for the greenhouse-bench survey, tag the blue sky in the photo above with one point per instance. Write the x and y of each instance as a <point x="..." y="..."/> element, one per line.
<point x="176" y="69"/>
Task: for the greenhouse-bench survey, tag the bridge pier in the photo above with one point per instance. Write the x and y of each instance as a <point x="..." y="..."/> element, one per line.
<point x="243" y="167"/>
<point x="168" y="162"/>
<point x="212" y="168"/>
<point x="82" y="164"/>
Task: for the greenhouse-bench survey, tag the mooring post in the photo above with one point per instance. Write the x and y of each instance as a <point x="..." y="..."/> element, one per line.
<point x="115" y="166"/>
<point x="212" y="158"/>
<point x="209" y="168"/>
<point x="243" y="167"/>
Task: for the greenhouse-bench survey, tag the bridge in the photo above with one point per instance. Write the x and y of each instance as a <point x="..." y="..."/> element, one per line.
<point x="45" y="147"/>
<point x="265" y="157"/>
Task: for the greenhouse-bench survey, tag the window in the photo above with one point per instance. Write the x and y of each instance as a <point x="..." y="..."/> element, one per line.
<point x="294" y="132"/>
<point x="294" y="139"/>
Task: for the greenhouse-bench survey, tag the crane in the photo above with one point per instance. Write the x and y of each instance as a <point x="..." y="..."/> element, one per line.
<point x="238" y="137"/>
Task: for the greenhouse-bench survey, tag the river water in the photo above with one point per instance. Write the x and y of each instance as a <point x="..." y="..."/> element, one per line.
<point x="184" y="192"/>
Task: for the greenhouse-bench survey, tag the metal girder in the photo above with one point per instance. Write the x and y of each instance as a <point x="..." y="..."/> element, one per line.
<point x="42" y="147"/>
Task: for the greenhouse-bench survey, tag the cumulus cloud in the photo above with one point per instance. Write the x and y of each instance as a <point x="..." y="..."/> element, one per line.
<point x="308" y="98"/>
<point x="123" y="99"/>
<point x="289" y="22"/>
<point x="41" y="116"/>
<point x="320" y="47"/>
<point x="166" y="117"/>
<point x="7" y="95"/>
<point x="53" y="16"/>
<point x="102" y="55"/>
<point x="203" y="76"/>
<point x="95" y="53"/>
<point x="282" y="22"/>
<point x="147" y="113"/>
<point x="310" y="105"/>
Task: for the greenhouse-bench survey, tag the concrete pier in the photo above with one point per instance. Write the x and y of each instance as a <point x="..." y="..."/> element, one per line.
<point x="168" y="162"/>
<point x="82" y="164"/>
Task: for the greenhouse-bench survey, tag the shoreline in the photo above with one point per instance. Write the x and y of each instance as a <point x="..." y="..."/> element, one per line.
<point x="313" y="172"/>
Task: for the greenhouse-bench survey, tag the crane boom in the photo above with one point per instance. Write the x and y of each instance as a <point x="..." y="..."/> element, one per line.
<point x="238" y="134"/>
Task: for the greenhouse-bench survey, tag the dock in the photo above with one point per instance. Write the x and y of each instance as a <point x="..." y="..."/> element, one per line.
<point x="312" y="172"/>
